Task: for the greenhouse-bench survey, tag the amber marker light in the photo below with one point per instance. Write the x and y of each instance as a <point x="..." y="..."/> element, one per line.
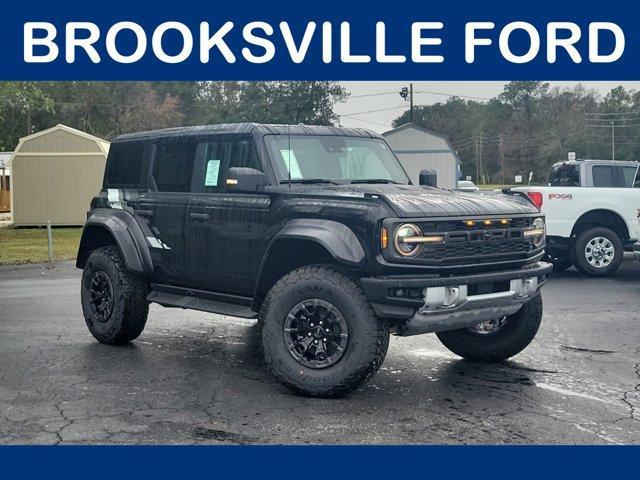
<point x="384" y="238"/>
<point x="504" y="222"/>
<point x="488" y="222"/>
<point x="469" y="223"/>
<point x="232" y="181"/>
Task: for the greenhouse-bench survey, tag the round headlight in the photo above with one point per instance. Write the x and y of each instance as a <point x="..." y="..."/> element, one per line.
<point x="538" y="224"/>
<point x="404" y="233"/>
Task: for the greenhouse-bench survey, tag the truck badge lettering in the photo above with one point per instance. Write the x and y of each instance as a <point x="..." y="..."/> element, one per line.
<point x="560" y="196"/>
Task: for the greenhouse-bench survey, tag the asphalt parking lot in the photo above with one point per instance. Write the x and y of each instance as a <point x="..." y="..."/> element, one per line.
<point x="194" y="377"/>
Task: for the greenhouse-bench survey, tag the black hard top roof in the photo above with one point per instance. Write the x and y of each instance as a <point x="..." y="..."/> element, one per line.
<point x="246" y="128"/>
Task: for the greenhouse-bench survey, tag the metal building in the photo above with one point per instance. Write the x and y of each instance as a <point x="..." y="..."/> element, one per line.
<point x="418" y="148"/>
<point x="54" y="175"/>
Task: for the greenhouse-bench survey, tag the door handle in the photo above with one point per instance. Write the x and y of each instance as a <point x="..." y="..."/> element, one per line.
<point x="144" y="213"/>
<point x="199" y="216"/>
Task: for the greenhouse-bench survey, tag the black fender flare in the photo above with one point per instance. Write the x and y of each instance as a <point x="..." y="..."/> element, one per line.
<point x="338" y="239"/>
<point x="127" y="234"/>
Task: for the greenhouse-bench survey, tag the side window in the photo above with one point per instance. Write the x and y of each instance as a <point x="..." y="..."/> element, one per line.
<point x="173" y="167"/>
<point x="636" y="184"/>
<point x="627" y="176"/>
<point x="604" y="176"/>
<point x="123" y="165"/>
<point x="564" y="176"/>
<point x="220" y="156"/>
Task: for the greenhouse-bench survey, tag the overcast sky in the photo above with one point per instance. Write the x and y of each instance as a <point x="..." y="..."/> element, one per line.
<point x="391" y="105"/>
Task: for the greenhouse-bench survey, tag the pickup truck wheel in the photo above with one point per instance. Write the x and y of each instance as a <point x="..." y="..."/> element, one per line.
<point x="499" y="339"/>
<point x="114" y="301"/>
<point x="319" y="335"/>
<point x="598" y="252"/>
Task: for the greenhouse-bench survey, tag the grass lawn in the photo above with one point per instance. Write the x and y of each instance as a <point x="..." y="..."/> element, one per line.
<point x="29" y="245"/>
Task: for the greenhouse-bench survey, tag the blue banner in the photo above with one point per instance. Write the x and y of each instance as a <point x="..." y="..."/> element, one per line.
<point x="191" y="40"/>
<point x="478" y="462"/>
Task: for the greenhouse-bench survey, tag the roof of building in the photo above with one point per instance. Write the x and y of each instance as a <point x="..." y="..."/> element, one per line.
<point x="247" y="128"/>
<point x="421" y="129"/>
<point x="103" y="144"/>
<point x="416" y="127"/>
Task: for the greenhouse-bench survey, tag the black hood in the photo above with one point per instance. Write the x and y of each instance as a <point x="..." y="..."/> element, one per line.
<point x="416" y="201"/>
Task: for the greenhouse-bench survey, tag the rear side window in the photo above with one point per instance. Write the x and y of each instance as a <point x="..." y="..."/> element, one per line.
<point x="123" y="165"/>
<point x="173" y="167"/>
<point x="628" y="176"/>
<point x="604" y="176"/>
<point x="565" y="176"/>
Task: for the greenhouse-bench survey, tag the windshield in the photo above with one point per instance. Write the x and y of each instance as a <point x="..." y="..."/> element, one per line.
<point x="335" y="159"/>
<point x="564" y="176"/>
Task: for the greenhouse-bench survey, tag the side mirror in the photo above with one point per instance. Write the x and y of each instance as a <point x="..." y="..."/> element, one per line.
<point x="241" y="179"/>
<point x="428" y="178"/>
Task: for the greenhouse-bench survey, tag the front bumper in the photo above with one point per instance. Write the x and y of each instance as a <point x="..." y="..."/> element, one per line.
<point x="425" y="304"/>
<point x="636" y="251"/>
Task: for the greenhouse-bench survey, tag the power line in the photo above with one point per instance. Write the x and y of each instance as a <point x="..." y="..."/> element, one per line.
<point x="395" y="107"/>
<point x="365" y="95"/>
<point x="454" y="95"/>
<point x="371" y="122"/>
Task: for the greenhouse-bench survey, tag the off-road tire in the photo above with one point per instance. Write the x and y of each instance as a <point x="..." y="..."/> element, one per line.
<point x="366" y="345"/>
<point x="511" y="339"/>
<point x="130" y="307"/>
<point x="581" y="262"/>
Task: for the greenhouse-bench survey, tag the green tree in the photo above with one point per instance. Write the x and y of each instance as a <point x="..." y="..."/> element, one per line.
<point x="21" y="103"/>
<point x="270" y="102"/>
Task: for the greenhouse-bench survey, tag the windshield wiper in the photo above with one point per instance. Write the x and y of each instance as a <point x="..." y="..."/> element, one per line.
<point x="309" y="181"/>
<point x="376" y="180"/>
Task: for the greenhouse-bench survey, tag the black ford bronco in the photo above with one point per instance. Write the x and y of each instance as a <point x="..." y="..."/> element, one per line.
<point x="319" y="234"/>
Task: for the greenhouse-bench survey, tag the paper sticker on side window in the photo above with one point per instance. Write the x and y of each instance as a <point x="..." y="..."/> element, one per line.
<point x="213" y="171"/>
<point x="291" y="164"/>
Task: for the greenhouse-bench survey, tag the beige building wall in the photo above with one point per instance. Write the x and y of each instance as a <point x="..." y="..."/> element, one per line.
<point x="55" y="174"/>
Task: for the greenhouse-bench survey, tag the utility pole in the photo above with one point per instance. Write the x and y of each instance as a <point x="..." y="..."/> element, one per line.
<point x="480" y="157"/>
<point x="613" y="140"/>
<point x="501" y="156"/>
<point x="477" y="159"/>
<point x="407" y="94"/>
<point x="411" y="102"/>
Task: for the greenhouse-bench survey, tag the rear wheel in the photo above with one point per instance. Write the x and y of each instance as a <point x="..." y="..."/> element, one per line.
<point x="320" y="336"/>
<point x="497" y="339"/>
<point x="114" y="301"/>
<point x="598" y="252"/>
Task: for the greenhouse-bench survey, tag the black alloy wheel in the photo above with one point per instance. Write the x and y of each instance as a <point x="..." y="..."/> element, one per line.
<point x="315" y="333"/>
<point x="101" y="296"/>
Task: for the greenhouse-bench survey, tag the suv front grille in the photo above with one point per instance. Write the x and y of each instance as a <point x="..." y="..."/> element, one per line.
<point x="477" y="243"/>
<point x="462" y="253"/>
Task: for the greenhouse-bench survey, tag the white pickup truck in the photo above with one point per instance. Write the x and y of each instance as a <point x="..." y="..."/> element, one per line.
<point x="592" y="209"/>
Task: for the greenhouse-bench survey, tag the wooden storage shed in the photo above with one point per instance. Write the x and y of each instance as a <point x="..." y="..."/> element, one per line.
<point x="54" y="175"/>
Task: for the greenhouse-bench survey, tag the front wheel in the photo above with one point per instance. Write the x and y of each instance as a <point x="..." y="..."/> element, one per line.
<point x="319" y="335"/>
<point x="499" y="339"/>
